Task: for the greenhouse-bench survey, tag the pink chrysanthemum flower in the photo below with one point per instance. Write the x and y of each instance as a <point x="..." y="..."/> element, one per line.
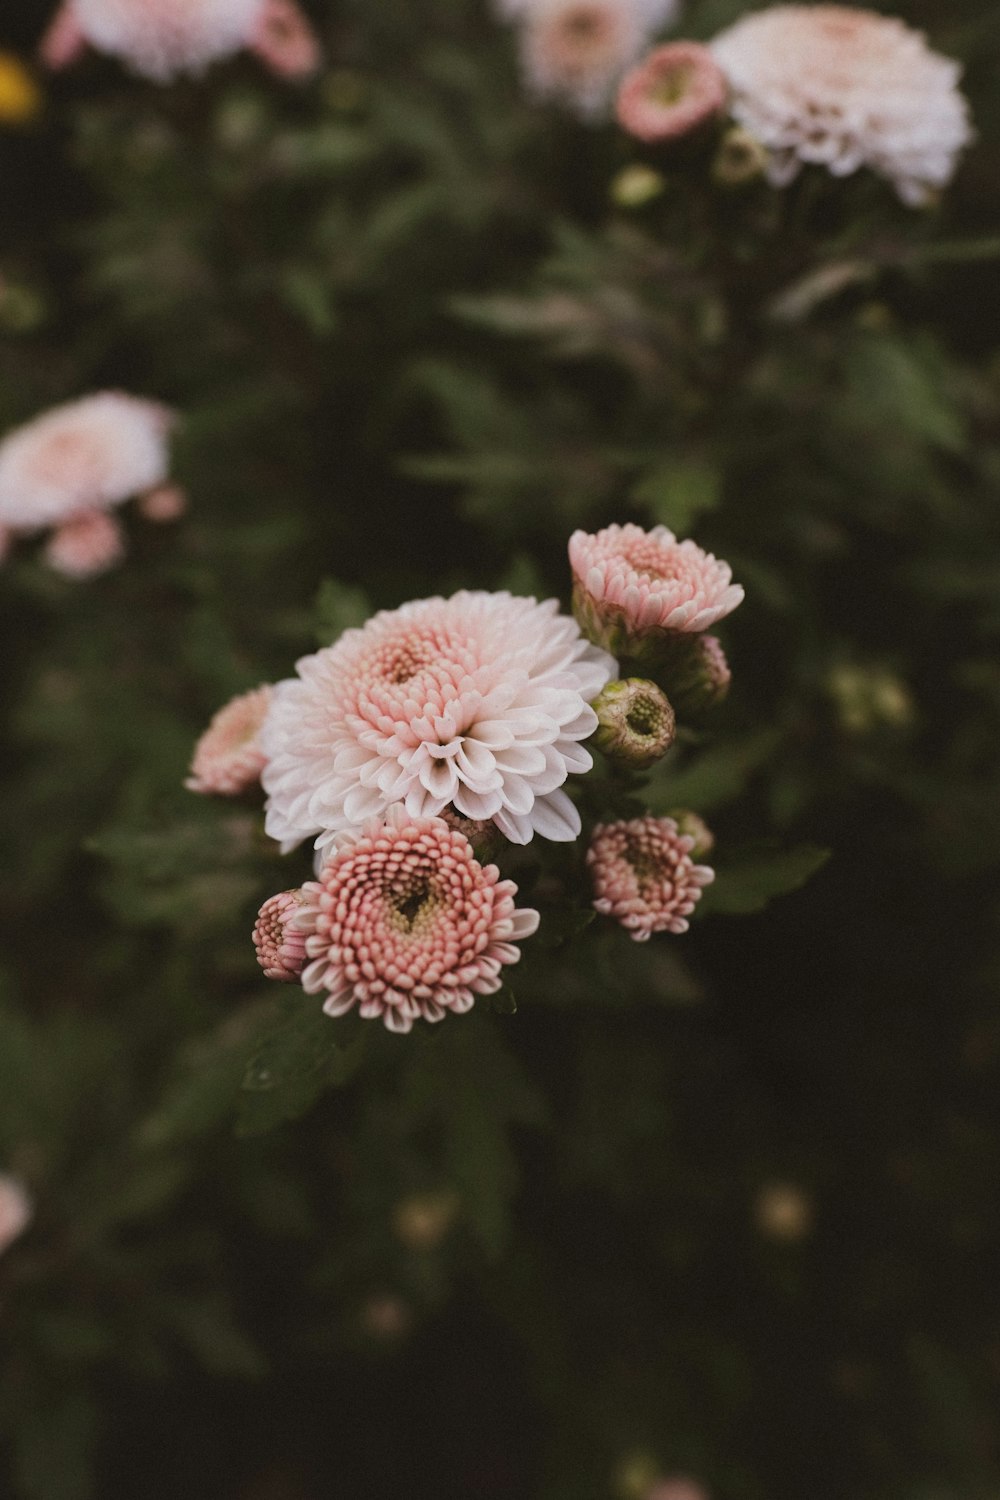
<point x="88" y="455"/>
<point x="672" y="92"/>
<point x="16" y="1210"/>
<point x="229" y="758"/>
<point x="846" y="88"/>
<point x="160" y="39"/>
<point x="280" y="943"/>
<point x="85" y="546"/>
<point x="644" y="876"/>
<point x="405" y="923"/>
<point x="479" y="701"/>
<point x="577" y="50"/>
<point x="631" y="587"/>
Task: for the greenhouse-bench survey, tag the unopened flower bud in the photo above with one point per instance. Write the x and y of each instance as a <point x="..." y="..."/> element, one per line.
<point x="740" y="159"/>
<point x="635" y="186"/>
<point x="636" y="1475"/>
<point x="693" y="827"/>
<point x="635" y="722"/>
<point x="166" y="503"/>
<point x="677" y="90"/>
<point x="422" y="1220"/>
<point x="280" y="944"/>
<point x="783" y="1212"/>
<point x="870" y="699"/>
<point x="697" y="675"/>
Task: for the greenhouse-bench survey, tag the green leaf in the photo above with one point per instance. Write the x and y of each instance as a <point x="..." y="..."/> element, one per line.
<point x="679" y="491"/>
<point x="714" y="778"/>
<point x="752" y="881"/>
<point x="303" y="1055"/>
<point x="339" y="607"/>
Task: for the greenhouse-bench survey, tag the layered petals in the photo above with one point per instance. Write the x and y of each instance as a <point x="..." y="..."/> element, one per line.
<point x="476" y="703"/>
<point x="405" y="924"/>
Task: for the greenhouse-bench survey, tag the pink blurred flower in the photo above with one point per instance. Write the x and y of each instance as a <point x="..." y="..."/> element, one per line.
<point x="677" y="1488"/>
<point x="88" y="455"/>
<point x="632" y="587"/>
<point x="478" y="702"/>
<point x="168" y="502"/>
<point x="672" y="92"/>
<point x="163" y="38"/>
<point x="577" y="50"/>
<point x="285" y="41"/>
<point x="85" y="546"/>
<point x="280" y="944"/>
<point x="644" y="877"/>
<point x="845" y="88"/>
<point x="64" y="42"/>
<point x="228" y="758"/>
<point x="16" y="1210"/>
<point x="405" y="923"/>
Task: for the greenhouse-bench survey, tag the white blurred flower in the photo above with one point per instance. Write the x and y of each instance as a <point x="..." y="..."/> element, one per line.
<point x="845" y="88"/>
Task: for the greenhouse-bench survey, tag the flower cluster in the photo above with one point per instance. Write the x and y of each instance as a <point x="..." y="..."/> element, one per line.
<point x="441" y="733"/>
<point x="160" y="39"/>
<point x="68" y="469"/>
<point x="825" y="85"/>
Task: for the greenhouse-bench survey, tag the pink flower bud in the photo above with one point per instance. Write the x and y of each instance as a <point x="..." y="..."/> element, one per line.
<point x="675" y="90"/>
<point x="280" y="944"/>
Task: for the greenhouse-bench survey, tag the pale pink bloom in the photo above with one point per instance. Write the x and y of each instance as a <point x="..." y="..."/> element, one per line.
<point x="405" y="923"/>
<point x="160" y="39"/>
<point x="86" y="545"/>
<point x="577" y="50"/>
<point x="644" y="876"/>
<point x="846" y="88"/>
<point x="16" y="1210"/>
<point x="90" y="454"/>
<point x="229" y="758"/>
<point x="63" y="43"/>
<point x="677" y="1488"/>
<point x="630" y="587"/>
<point x="478" y="702"/>
<point x="285" y="41"/>
<point x="675" y="90"/>
<point x="168" y="502"/>
<point x="280" y="944"/>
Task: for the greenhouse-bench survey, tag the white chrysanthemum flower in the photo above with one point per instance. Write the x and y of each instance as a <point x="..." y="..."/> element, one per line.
<point x="88" y="455"/>
<point x="578" y="50"/>
<point x="845" y="88"/>
<point x="160" y="38"/>
<point x="478" y="702"/>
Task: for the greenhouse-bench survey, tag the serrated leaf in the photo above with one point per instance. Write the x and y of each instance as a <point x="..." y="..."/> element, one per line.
<point x="752" y="881"/>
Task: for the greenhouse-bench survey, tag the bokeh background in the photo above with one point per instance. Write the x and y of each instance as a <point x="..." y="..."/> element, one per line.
<point x="728" y="1207"/>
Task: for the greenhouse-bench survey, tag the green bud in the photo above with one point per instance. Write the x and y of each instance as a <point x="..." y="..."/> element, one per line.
<point x="635" y="186"/>
<point x="696" y="674"/>
<point x="635" y="722"/>
<point x="690" y="824"/>
<point x="740" y="159"/>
